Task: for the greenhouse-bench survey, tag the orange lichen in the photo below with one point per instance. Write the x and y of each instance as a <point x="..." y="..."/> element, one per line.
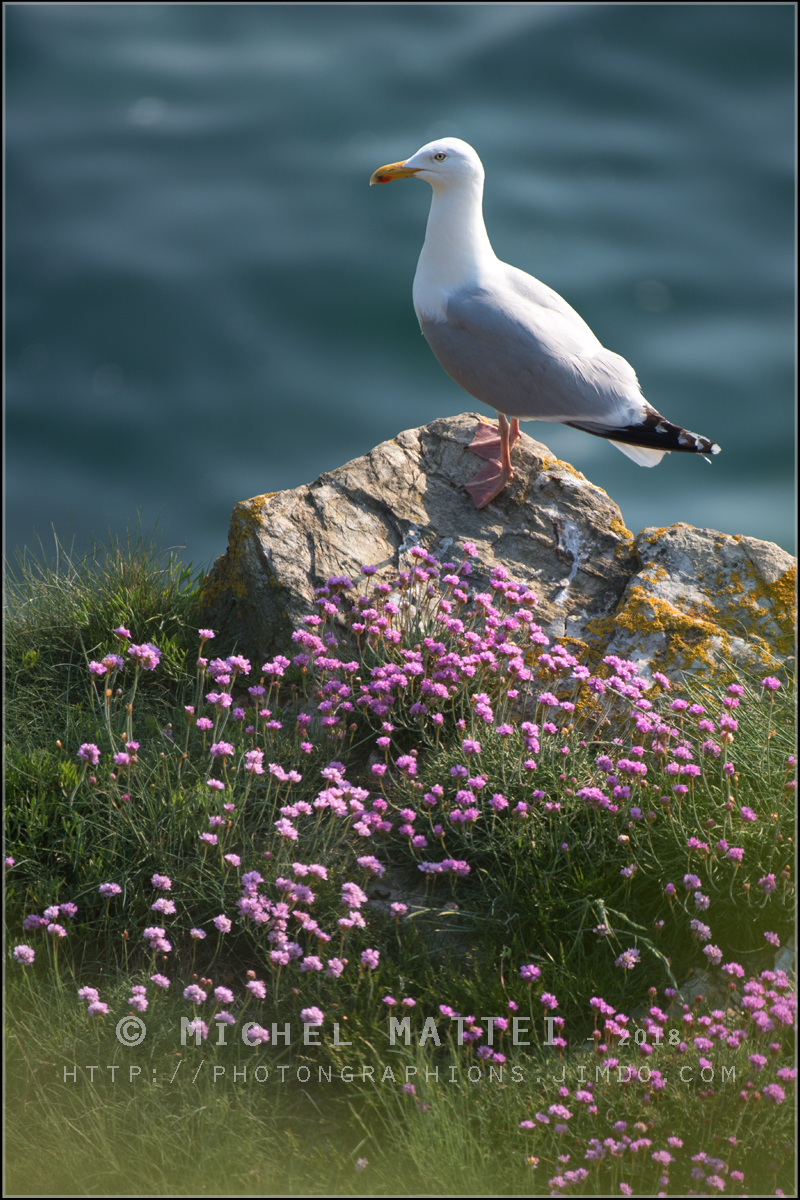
<point x="618" y="526"/>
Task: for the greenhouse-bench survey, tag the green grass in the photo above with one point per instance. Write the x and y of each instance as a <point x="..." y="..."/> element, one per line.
<point x="526" y="900"/>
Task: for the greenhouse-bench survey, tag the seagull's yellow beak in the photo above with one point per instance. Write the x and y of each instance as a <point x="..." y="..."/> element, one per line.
<point x="392" y="171"/>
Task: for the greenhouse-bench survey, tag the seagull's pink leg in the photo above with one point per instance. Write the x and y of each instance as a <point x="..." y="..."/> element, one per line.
<point x="491" y="479"/>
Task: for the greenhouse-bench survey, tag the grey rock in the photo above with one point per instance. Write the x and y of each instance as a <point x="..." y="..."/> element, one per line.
<point x="702" y="599"/>
<point x="681" y="597"/>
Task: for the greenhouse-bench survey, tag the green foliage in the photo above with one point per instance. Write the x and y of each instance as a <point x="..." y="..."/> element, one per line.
<point x="541" y="883"/>
<point x="58" y="612"/>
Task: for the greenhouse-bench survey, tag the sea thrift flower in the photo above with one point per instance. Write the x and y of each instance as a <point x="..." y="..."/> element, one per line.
<point x="223" y="923"/>
<point x="254" y="762"/>
<point x="147" y="656"/>
<point x="369" y="958"/>
<point x="530" y="972"/>
<point x="23" y="954"/>
<point x="89" y="753"/>
<point x="312" y="1016"/>
<point x="221" y="750"/>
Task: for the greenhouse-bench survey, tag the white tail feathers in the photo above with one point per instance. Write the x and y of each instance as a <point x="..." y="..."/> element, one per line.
<point x="642" y="455"/>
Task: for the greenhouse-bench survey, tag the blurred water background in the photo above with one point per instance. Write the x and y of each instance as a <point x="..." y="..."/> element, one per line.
<point x="205" y="300"/>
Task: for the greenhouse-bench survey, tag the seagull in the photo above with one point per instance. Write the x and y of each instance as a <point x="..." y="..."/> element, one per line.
<point x="510" y="340"/>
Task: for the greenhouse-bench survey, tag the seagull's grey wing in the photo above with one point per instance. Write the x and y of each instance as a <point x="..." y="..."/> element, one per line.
<point x="518" y="346"/>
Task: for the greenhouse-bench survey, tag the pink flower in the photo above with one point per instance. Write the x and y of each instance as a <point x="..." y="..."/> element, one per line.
<point x="312" y="1016"/>
<point x="221" y="750"/>
<point x="147" y="656"/>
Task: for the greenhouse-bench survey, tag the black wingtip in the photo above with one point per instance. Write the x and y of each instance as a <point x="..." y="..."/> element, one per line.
<point x="653" y="433"/>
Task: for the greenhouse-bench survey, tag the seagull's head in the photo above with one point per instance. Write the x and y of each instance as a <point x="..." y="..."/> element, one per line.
<point x="445" y="163"/>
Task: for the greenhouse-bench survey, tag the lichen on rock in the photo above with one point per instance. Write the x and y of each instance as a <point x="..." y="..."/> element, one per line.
<point x="676" y="597"/>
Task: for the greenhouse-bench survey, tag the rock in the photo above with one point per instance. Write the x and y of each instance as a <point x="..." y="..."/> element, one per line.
<point x="786" y="959"/>
<point x="714" y="988"/>
<point x="702" y="598"/>
<point x="679" y="597"/>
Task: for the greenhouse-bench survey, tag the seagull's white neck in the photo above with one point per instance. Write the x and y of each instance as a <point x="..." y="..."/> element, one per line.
<point x="457" y="250"/>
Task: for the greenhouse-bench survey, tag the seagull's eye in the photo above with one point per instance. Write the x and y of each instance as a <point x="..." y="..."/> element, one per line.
<point x="439" y="157"/>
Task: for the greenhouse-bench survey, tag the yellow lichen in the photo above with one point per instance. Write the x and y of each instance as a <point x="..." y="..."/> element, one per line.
<point x="226" y="574"/>
<point x="655" y="572"/>
<point x="755" y="607"/>
<point x="618" y="526"/>
<point x="655" y="535"/>
<point x="686" y="636"/>
<point x="551" y="461"/>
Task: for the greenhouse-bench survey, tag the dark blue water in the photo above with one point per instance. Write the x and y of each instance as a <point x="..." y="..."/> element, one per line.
<point x="206" y="301"/>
